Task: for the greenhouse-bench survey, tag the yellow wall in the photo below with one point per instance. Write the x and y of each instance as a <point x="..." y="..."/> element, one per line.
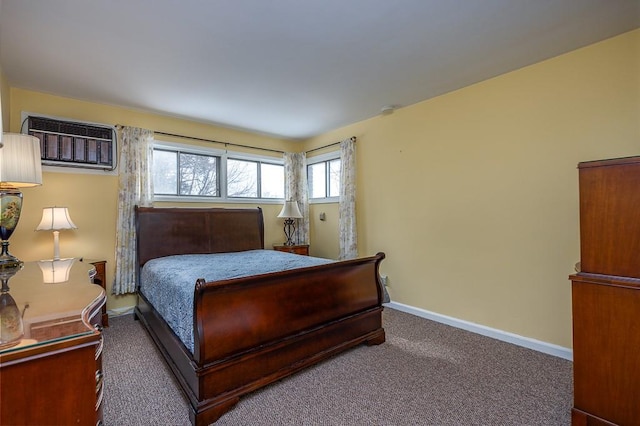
<point x="92" y="198"/>
<point x="323" y="235"/>
<point x="473" y="195"/>
<point x="5" y="95"/>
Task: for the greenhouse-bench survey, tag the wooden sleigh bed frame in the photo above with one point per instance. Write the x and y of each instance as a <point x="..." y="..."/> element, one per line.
<point x="244" y="337"/>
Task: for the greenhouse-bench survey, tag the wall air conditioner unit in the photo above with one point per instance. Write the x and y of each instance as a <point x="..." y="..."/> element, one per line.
<point x="74" y="144"/>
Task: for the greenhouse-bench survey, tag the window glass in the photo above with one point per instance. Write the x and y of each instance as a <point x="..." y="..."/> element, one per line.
<point x="242" y="178"/>
<point x="316" y="175"/>
<point x="334" y="177"/>
<point x="324" y="178"/>
<point x="272" y="179"/>
<point x="198" y="175"/>
<point x="165" y="166"/>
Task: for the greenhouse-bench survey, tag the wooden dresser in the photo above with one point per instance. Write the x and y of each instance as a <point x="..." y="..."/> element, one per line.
<point x="51" y="346"/>
<point x="606" y="295"/>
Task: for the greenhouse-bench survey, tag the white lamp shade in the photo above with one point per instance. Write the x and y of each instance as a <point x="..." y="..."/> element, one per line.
<point x="291" y="210"/>
<point x="0" y="119"/>
<point x="55" y="271"/>
<point x="20" y="164"/>
<point x="55" y="219"/>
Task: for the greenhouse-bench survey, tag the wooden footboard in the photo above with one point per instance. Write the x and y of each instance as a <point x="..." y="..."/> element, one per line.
<point x="252" y="331"/>
<point x="238" y="315"/>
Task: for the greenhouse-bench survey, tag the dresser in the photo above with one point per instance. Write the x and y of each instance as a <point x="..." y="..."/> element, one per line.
<point x="51" y="345"/>
<point x="606" y="295"/>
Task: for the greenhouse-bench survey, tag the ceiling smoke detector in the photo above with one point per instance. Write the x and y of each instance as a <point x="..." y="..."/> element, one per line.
<point x="387" y="109"/>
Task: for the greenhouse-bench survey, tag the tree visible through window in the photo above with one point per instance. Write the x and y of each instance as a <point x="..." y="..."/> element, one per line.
<point x="242" y="178"/>
<point x="182" y="173"/>
<point x="254" y="179"/>
<point x="199" y="175"/>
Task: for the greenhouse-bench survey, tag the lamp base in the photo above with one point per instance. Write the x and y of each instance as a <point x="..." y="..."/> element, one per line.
<point x="11" y="325"/>
<point x="8" y="261"/>
<point x="10" y="208"/>
<point x="12" y="328"/>
<point x="289" y="229"/>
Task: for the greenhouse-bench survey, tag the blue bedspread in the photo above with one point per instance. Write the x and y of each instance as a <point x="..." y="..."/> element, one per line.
<point x="168" y="283"/>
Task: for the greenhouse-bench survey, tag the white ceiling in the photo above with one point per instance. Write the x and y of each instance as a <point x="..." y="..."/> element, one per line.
<point x="289" y="68"/>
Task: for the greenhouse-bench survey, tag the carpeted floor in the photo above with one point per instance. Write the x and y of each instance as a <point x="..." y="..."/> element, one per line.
<point x="426" y="373"/>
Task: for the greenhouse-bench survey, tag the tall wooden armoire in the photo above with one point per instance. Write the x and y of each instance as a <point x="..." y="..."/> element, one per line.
<point x="606" y="295"/>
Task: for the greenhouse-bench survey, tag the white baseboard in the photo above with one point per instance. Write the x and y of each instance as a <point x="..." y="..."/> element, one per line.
<point x="536" y="345"/>
<point x="120" y="311"/>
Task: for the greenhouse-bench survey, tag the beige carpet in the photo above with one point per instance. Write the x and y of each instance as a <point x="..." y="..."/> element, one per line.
<point x="425" y="374"/>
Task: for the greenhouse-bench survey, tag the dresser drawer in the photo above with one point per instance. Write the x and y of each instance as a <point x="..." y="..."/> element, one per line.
<point x="58" y="389"/>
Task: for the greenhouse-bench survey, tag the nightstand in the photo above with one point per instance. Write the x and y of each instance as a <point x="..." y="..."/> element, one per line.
<point x="302" y="249"/>
<point x="100" y="278"/>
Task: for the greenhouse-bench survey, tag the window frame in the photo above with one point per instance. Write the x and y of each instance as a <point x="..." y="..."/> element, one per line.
<point x="223" y="154"/>
<point x="324" y="158"/>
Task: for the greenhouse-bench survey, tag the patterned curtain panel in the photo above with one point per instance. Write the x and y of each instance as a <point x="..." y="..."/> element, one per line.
<point x="295" y="178"/>
<point x="135" y="188"/>
<point x="347" y="207"/>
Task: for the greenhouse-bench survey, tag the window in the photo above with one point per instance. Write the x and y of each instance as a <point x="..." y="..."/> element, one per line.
<point x="323" y="177"/>
<point x="205" y="174"/>
<point x="254" y="179"/>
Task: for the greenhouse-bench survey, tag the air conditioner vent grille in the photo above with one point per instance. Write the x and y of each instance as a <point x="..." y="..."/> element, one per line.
<point x="72" y="144"/>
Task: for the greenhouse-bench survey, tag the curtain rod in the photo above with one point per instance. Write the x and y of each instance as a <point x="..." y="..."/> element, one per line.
<point x="219" y="142"/>
<point x="353" y="138"/>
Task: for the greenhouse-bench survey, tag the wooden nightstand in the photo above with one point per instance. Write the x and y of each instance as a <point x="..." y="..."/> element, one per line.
<point x="100" y="278"/>
<point x="302" y="249"/>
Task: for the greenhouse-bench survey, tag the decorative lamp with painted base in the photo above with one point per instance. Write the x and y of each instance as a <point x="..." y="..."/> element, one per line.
<point x="20" y="167"/>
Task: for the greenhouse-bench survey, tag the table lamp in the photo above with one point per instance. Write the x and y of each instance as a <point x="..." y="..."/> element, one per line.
<point x="20" y="167"/>
<point x="290" y="211"/>
<point x="55" y="219"/>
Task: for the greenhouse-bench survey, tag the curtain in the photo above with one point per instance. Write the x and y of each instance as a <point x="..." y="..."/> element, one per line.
<point x="135" y="188"/>
<point x="295" y="178"/>
<point x="347" y="207"/>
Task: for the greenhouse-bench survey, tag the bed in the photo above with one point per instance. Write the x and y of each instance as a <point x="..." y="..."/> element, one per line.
<point x="248" y="330"/>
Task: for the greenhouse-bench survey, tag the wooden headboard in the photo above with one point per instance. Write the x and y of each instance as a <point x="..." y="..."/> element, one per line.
<point x="169" y="231"/>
